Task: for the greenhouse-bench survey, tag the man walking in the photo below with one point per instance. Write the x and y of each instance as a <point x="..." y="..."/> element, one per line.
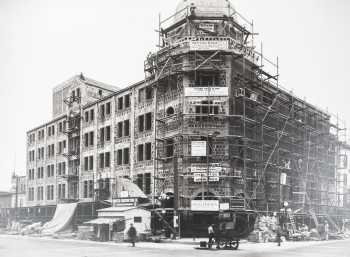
<point x="326" y="230"/>
<point x="132" y="234"/>
<point x="211" y="235"/>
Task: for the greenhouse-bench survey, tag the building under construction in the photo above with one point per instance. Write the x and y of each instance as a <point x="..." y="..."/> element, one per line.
<point x="209" y="122"/>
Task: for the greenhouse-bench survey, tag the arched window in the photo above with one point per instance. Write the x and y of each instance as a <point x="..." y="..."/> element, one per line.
<point x="170" y="111"/>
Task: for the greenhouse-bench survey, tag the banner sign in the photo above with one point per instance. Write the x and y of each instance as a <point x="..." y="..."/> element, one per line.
<point x="199" y="148"/>
<point x="205" y="205"/>
<point x="208" y="45"/>
<point x="206" y="91"/>
<point x="207" y="26"/>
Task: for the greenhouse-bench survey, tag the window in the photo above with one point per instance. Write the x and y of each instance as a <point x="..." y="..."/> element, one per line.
<point x="149" y="93"/>
<point x="140" y="153"/>
<point x="61" y="191"/>
<point x="141" y="123"/>
<point x="87" y="116"/>
<point x="107" y="159"/>
<point x="120" y="129"/>
<point x="126" y="155"/>
<point x="120" y="103"/>
<point x="102" y="160"/>
<point x="148" y="121"/>
<point x="91" y="188"/>
<point x="85" y="190"/>
<point x="92" y="114"/>
<point x="169" y="147"/>
<point x="108" y="109"/>
<point x="126" y="128"/>
<point x="86" y="163"/>
<point x="127" y="101"/>
<point x="102" y="135"/>
<point x="50" y="192"/>
<point x="50" y="170"/>
<point x="108" y="133"/>
<point x="137" y="219"/>
<point x="207" y="80"/>
<point x="40" y="193"/>
<point x="170" y="111"/>
<point x="30" y="194"/>
<point x="120" y="157"/>
<point x="205" y="108"/>
<point x="91" y="163"/>
<point x="141" y="94"/>
<point x="91" y="138"/>
<point x="86" y="139"/>
<point x="139" y="181"/>
<point x="102" y="111"/>
<point x="147" y="183"/>
<point x="63" y="168"/>
<point x="148" y="151"/>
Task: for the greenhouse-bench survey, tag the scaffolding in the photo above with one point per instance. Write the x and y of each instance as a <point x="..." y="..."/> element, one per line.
<point x="267" y="145"/>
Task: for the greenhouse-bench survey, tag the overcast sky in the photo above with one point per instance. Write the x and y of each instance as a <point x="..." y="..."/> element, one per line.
<point x="44" y="42"/>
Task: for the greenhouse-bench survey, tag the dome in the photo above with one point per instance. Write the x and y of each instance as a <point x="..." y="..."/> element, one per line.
<point x="204" y="8"/>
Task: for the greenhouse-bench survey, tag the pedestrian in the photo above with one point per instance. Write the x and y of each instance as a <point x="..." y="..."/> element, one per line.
<point x="279" y="235"/>
<point x="211" y="235"/>
<point x="132" y="234"/>
<point x="326" y="230"/>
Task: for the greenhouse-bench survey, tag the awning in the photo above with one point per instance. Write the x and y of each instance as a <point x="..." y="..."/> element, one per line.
<point x="100" y="221"/>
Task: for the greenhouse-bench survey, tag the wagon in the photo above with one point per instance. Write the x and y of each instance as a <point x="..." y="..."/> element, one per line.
<point x="232" y="226"/>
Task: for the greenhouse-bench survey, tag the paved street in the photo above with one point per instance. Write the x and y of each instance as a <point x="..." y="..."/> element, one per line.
<point x="15" y="246"/>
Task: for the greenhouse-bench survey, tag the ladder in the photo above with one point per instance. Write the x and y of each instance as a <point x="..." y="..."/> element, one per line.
<point x="313" y="215"/>
<point x="292" y="222"/>
<point x="165" y="222"/>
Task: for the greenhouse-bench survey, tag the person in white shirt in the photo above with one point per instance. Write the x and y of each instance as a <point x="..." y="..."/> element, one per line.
<point x="211" y="235"/>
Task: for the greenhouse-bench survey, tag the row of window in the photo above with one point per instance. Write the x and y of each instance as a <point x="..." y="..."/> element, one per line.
<point x="50" y="189"/>
<point x="62" y="145"/>
<point x="50" y="171"/>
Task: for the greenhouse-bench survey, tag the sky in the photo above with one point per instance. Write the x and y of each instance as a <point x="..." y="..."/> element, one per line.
<point x="45" y="42"/>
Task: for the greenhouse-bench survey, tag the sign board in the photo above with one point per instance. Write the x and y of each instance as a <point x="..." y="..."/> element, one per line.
<point x="208" y="45"/>
<point x="124" y="194"/>
<point x="206" y="91"/>
<point x="202" y="177"/>
<point x="199" y="148"/>
<point x="204" y="205"/>
<point x="207" y="26"/>
<point x="224" y="206"/>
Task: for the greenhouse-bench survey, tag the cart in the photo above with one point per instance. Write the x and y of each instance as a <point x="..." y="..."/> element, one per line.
<point x="232" y="226"/>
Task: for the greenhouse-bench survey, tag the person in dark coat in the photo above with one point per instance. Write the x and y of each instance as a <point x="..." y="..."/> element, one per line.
<point x="132" y="234"/>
